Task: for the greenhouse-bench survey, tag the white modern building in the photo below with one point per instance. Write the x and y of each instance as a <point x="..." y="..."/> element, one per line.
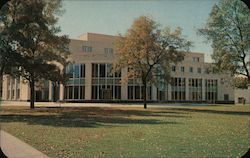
<point x="242" y="96"/>
<point x="91" y="79"/>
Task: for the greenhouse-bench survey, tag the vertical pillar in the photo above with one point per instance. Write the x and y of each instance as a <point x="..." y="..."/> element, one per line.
<point x="187" y="89"/>
<point x="166" y="92"/>
<point x="12" y="88"/>
<point x="203" y="89"/>
<point x="124" y="86"/>
<point x="169" y="92"/>
<point x="88" y="82"/>
<point x="61" y="94"/>
<point x="5" y="87"/>
<point x="15" y="88"/>
<point x="50" y="91"/>
<point x="154" y="93"/>
<point x="220" y="93"/>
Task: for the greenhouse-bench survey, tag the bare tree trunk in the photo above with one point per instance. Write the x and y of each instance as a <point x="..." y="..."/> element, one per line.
<point x="32" y="93"/>
<point x="145" y="94"/>
<point x="246" y="69"/>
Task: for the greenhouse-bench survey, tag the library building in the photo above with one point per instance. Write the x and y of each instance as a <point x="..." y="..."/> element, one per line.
<point x="91" y="79"/>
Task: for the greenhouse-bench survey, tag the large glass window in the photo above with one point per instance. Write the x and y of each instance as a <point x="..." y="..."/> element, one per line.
<point x="135" y="90"/>
<point x="191" y="69"/>
<point x="182" y="69"/>
<point x="102" y="70"/>
<point x="82" y="70"/>
<point x="108" y="50"/>
<point x="130" y="92"/>
<point x="211" y="89"/>
<point x="178" y="89"/>
<point x="196" y="59"/>
<point x="94" y="70"/>
<point x="199" y="70"/>
<point x="86" y="49"/>
<point x="76" y="71"/>
<point x="105" y="84"/>
<point x="75" y="86"/>
<point x="173" y="68"/>
<point x="195" y="89"/>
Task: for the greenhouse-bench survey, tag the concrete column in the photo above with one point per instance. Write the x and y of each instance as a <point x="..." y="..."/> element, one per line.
<point x="169" y="92"/>
<point x="15" y="88"/>
<point x="24" y="91"/>
<point x="166" y="92"/>
<point x="187" y="89"/>
<point x="88" y="81"/>
<point x="5" y="87"/>
<point x="220" y="92"/>
<point x="12" y="88"/>
<point x="203" y="90"/>
<point x="61" y="95"/>
<point x="50" y="91"/>
<point x="154" y="93"/>
<point x="124" y="86"/>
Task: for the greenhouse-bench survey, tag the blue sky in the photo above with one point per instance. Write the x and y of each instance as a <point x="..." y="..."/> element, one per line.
<point x="116" y="16"/>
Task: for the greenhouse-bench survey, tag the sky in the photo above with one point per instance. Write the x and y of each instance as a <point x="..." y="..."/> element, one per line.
<point x="116" y="16"/>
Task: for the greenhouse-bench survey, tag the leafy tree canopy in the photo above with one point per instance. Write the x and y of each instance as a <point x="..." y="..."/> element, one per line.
<point x="228" y="28"/>
<point x="148" y="51"/>
<point x="30" y="29"/>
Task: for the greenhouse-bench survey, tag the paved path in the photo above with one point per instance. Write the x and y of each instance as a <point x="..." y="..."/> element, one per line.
<point x="15" y="148"/>
<point x="59" y="104"/>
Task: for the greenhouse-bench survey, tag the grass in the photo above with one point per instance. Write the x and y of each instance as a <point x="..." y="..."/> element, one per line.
<point x="172" y="131"/>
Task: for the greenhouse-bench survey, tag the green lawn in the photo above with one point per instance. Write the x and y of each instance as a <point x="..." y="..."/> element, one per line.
<point x="173" y="131"/>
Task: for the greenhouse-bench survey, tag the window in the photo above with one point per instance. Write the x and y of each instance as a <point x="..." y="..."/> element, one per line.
<point x="178" y="89"/>
<point x="191" y="69"/>
<point x="196" y="59"/>
<point x="130" y="92"/>
<point x="117" y="92"/>
<point x="76" y="71"/>
<point x="207" y="70"/>
<point x="108" y="50"/>
<point x="118" y="74"/>
<point x="182" y="69"/>
<point x="82" y="70"/>
<point x="105" y="83"/>
<point x="76" y="92"/>
<point x="70" y="70"/>
<point x="226" y="97"/>
<point x="173" y="68"/>
<point x="199" y="70"/>
<point x="137" y="92"/>
<point x="195" y="89"/>
<point x="102" y="70"/>
<point x="86" y="49"/>
<point x="94" y="70"/>
<point x="109" y="70"/>
<point x="74" y="88"/>
<point x="211" y="89"/>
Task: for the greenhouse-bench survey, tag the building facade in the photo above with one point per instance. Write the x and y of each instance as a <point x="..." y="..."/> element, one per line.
<point x="242" y="96"/>
<point x="91" y="78"/>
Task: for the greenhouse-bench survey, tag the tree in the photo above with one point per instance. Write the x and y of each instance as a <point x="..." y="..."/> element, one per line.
<point x="228" y="28"/>
<point x="2" y="2"/>
<point x="148" y="52"/>
<point x="240" y="82"/>
<point x="30" y="27"/>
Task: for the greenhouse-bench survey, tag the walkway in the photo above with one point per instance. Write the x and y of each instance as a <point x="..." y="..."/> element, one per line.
<point x="15" y="148"/>
<point x="60" y="104"/>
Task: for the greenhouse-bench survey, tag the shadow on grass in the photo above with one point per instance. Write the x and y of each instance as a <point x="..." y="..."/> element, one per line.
<point x="84" y="117"/>
<point x="211" y="111"/>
